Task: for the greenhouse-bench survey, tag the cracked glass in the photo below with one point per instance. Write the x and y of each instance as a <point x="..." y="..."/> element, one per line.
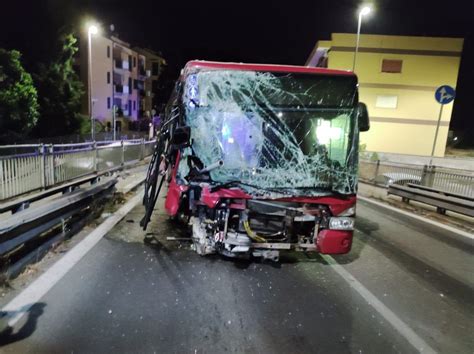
<point x="279" y="133"/>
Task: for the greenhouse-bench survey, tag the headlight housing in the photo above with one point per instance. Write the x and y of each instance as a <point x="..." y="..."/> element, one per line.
<point x="348" y="212"/>
<point x="341" y="223"/>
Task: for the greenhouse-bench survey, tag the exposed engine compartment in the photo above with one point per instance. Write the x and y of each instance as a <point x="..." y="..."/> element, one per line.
<point x="241" y="228"/>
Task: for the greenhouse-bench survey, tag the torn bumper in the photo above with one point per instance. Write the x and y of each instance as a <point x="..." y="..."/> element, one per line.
<point x="334" y="241"/>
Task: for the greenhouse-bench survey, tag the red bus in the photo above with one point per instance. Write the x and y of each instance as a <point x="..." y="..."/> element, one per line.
<point x="260" y="158"/>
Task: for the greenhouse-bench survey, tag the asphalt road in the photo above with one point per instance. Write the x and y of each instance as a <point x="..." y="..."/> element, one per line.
<point x="160" y="297"/>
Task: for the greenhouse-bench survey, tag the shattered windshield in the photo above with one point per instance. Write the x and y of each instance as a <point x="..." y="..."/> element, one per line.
<point x="280" y="132"/>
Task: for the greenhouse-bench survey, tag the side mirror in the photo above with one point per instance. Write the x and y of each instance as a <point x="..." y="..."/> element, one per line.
<point x="181" y="135"/>
<point x="363" y="117"/>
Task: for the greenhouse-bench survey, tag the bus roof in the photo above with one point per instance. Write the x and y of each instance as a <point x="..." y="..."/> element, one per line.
<point x="200" y="64"/>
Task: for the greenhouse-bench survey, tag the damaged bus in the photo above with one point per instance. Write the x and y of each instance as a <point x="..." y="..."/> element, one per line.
<point x="258" y="159"/>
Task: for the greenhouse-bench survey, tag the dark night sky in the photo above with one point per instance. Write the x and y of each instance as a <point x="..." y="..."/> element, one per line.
<point x="249" y="31"/>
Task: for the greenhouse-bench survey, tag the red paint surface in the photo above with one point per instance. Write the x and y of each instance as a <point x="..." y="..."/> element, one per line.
<point x="336" y="205"/>
<point x="196" y="64"/>
<point x="212" y="199"/>
<point x="174" y="191"/>
<point x="334" y="241"/>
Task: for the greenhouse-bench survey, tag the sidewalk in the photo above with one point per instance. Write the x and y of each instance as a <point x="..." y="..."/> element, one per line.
<point x="131" y="178"/>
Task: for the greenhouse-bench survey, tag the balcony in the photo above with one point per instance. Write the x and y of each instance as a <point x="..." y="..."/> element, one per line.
<point x="138" y="84"/>
<point x="118" y="88"/>
<point x="122" y="89"/>
<point x="122" y="64"/>
<point x="118" y="79"/>
<point x="117" y="53"/>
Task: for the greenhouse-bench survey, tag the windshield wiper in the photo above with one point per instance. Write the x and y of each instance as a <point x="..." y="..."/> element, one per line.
<point x="239" y="183"/>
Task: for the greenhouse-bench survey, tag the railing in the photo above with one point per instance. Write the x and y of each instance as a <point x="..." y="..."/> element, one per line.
<point x="86" y="138"/>
<point x="25" y="168"/>
<point x="448" y="180"/>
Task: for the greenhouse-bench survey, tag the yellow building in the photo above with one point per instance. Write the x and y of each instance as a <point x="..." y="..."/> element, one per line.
<point x="398" y="76"/>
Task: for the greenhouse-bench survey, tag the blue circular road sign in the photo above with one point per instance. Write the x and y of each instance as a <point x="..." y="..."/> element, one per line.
<point x="445" y="94"/>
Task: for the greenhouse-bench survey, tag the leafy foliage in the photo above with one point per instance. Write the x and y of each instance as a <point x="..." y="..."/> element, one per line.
<point x="18" y="98"/>
<point x="60" y="91"/>
<point x="85" y="125"/>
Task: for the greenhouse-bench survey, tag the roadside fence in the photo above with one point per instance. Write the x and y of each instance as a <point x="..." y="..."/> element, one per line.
<point x="29" y="167"/>
<point x="385" y="173"/>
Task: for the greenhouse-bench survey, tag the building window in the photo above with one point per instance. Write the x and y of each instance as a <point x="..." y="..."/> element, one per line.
<point x="386" y="101"/>
<point x="130" y="62"/>
<point x="155" y="86"/>
<point x="391" y="66"/>
<point x="108" y="77"/>
<point x="134" y="62"/>
<point x="130" y="107"/>
<point x="108" y="51"/>
<point x="130" y="84"/>
<point x="134" y="105"/>
<point x="155" y="68"/>
<point x="108" y="102"/>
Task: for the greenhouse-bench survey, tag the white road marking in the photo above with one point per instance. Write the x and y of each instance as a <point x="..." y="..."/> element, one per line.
<point x="420" y="218"/>
<point x="18" y="306"/>
<point x="416" y="341"/>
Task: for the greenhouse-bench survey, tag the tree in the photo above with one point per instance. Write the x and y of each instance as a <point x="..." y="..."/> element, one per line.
<point x="59" y="93"/>
<point x="18" y="98"/>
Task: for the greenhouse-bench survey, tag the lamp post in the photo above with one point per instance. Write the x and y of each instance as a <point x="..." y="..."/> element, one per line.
<point x="363" y="11"/>
<point x="91" y="29"/>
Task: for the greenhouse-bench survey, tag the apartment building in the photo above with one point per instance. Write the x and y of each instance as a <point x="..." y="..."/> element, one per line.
<point x="398" y="76"/>
<point x="154" y="64"/>
<point x="119" y="78"/>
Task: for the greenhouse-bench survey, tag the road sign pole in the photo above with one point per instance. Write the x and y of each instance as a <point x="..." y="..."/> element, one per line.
<point x="436" y="133"/>
<point x="443" y="95"/>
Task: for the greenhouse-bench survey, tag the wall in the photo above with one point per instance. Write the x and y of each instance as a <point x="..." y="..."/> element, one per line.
<point x="101" y="64"/>
<point x="103" y="91"/>
<point x="427" y="63"/>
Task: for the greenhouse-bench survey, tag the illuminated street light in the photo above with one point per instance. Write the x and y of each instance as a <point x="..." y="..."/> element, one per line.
<point x="91" y="29"/>
<point x="363" y="12"/>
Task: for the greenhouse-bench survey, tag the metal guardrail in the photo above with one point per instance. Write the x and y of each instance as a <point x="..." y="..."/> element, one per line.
<point x="441" y="200"/>
<point x="27" y="234"/>
<point x="26" y="168"/>
<point x="445" y="180"/>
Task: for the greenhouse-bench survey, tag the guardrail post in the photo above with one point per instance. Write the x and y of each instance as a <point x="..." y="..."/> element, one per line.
<point x="123" y="152"/>
<point x="427" y="176"/>
<point x="51" y="164"/>
<point x="431" y="174"/>
<point x="377" y="167"/>
<point x="42" y="165"/>
<point x="142" y="149"/>
<point x="94" y="148"/>
<point x="2" y="182"/>
<point x="424" y="174"/>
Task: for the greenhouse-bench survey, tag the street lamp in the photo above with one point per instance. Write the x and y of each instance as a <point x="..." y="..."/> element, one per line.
<point x="363" y="12"/>
<point x="91" y="29"/>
